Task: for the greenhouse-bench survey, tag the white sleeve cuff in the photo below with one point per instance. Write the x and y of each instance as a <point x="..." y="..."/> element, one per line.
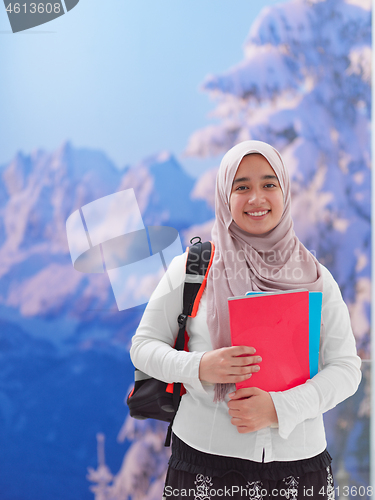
<point x="294" y="406"/>
<point x="190" y="373"/>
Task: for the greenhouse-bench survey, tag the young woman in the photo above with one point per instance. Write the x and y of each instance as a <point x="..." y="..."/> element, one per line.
<point x="248" y="443"/>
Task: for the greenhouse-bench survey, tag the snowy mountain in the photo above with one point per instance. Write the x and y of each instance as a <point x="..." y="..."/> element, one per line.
<point x="165" y="193"/>
<point x="42" y="190"/>
<point x="65" y="367"/>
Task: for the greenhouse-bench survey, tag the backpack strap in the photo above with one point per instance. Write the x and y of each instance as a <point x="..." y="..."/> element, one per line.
<point x="198" y="263"/>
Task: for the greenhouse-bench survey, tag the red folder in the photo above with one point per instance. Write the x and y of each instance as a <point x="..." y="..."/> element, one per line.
<point x="278" y="327"/>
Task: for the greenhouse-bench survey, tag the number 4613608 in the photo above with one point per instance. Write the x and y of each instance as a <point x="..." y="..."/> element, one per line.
<point x="346" y="491"/>
<point x="34" y="8"/>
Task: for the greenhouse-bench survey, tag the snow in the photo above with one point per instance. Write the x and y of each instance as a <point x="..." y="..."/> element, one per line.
<point x="39" y="294"/>
<point x="315" y="108"/>
<point x="304" y="86"/>
<point x="204" y="188"/>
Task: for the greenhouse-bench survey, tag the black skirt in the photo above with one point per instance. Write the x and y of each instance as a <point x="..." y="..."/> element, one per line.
<point x="195" y="475"/>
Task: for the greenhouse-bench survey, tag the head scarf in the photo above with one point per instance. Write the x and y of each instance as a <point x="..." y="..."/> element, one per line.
<point x="276" y="260"/>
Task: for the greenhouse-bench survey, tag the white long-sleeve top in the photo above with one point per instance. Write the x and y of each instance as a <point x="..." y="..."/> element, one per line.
<point x="205" y="425"/>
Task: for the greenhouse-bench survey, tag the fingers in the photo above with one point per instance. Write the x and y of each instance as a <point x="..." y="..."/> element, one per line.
<point x="245" y="360"/>
<point x="240" y="374"/>
<point x="243" y="370"/>
<point x="243" y="426"/>
<point x="229" y="364"/>
<point x="234" y="379"/>
<point x="239" y="365"/>
<point x="252" y="410"/>
<point x="244" y="363"/>
<point x="244" y="429"/>
<point x="242" y="355"/>
<point x="245" y="392"/>
<point x="241" y="350"/>
<point x="243" y="373"/>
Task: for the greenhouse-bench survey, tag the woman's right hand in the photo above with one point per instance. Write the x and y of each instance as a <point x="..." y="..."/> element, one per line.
<point x="228" y="365"/>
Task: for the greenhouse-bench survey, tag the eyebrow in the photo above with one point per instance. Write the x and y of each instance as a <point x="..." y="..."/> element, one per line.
<point x="246" y="179"/>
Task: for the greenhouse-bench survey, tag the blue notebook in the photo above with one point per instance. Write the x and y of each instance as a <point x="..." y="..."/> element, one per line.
<point x="315" y="315"/>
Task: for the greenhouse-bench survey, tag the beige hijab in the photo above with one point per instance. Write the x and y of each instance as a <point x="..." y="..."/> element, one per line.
<point x="276" y="260"/>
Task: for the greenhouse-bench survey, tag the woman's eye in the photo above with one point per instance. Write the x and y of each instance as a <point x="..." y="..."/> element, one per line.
<point x="270" y="185"/>
<point x="241" y="188"/>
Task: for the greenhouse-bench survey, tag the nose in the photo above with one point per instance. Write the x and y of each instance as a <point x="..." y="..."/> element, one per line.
<point x="256" y="196"/>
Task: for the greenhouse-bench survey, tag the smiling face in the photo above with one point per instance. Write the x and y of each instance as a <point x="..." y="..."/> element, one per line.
<point x="256" y="200"/>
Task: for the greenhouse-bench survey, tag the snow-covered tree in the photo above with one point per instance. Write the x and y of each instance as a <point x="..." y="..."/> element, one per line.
<point x="102" y="476"/>
<point x="142" y="474"/>
<point x="304" y="87"/>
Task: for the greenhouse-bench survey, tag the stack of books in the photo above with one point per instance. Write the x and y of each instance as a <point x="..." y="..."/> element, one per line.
<point x="284" y="328"/>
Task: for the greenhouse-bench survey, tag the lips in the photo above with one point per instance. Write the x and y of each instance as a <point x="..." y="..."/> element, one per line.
<point x="259" y="213"/>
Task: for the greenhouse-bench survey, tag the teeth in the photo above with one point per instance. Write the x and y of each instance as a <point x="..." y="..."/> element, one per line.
<point x="257" y="214"/>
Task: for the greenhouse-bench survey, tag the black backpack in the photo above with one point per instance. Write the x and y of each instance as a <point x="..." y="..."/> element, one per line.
<point x="153" y="398"/>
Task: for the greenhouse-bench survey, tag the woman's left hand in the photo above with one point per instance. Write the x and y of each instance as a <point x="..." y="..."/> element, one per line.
<point x="251" y="409"/>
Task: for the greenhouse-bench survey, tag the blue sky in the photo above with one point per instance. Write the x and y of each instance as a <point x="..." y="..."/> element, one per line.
<point x="118" y="75"/>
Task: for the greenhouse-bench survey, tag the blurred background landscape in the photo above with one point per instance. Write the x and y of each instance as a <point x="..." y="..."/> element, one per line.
<point x="156" y="113"/>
